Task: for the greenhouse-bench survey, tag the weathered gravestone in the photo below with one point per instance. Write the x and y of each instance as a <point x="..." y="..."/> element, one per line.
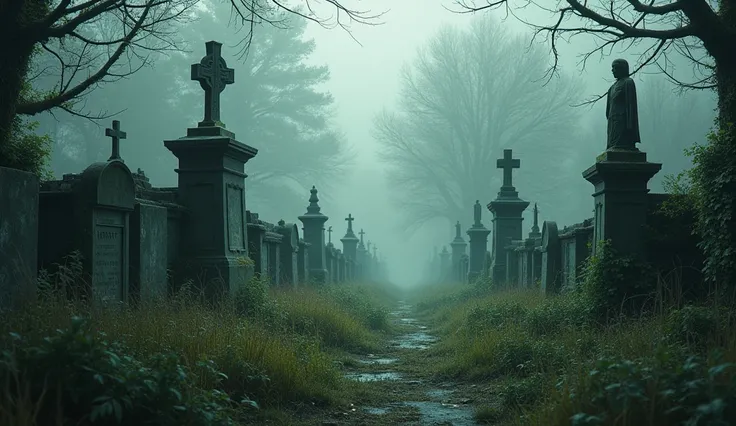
<point x="19" y="194"/>
<point x="350" y="241"/>
<point x="148" y="251"/>
<point x="507" y="211"/>
<point x="104" y="199"/>
<point x="289" y="249"/>
<point x="302" y="259"/>
<point x="458" y="246"/>
<point x="314" y="234"/>
<point x="478" y="235"/>
<point x="550" y="258"/>
<point x="256" y="232"/>
<point x="272" y="246"/>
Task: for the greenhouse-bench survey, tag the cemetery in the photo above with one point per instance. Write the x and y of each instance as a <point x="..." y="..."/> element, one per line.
<point x="127" y="302"/>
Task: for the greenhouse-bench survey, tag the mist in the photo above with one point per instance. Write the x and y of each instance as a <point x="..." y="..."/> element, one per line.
<point x="349" y="153"/>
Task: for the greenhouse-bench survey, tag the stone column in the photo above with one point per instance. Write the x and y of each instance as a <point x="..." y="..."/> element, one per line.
<point x="314" y="234"/>
<point x="350" y="241"/>
<point x="620" y="178"/>
<point x="458" y="250"/>
<point x="507" y="211"/>
<point x="211" y="186"/>
<point x="478" y="235"/>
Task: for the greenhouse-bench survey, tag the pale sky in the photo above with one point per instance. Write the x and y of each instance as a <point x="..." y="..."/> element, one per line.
<point x="365" y="79"/>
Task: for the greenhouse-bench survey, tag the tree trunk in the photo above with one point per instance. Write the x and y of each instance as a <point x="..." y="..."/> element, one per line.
<point x="16" y="55"/>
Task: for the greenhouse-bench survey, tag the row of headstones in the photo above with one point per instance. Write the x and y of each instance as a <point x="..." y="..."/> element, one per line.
<point x="553" y="258"/>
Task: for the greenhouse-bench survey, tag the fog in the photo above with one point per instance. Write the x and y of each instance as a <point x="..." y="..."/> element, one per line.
<point x="365" y="79"/>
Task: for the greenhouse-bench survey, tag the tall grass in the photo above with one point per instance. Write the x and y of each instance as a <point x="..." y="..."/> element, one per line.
<point x="556" y="365"/>
<point x="265" y="347"/>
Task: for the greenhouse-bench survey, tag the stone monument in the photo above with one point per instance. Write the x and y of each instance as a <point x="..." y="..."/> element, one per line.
<point x="478" y="235"/>
<point x="211" y="186"/>
<point x="621" y="174"/>
<point x="350" y="242"/>
<point x="314" y="234"/>
<point x="507" y="211"/>
<point x="458" y="250"/>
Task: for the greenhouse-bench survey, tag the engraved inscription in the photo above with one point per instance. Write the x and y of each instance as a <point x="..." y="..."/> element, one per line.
<point x="108" y="263"/>
<point x="235" y="221"/>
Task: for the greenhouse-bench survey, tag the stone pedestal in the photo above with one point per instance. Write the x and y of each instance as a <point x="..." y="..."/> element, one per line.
<point x="507" y="211"/>
<point x="478" y="246"/>
<point x="350" y="242"/>
<point x="458" y="250"/>
<point x="314" y="234"/>
<point x="211" y="186"/>
<point x="620" y="179"/>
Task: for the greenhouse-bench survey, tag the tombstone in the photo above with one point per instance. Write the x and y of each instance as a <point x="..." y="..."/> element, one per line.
<point x="104" y="200"/>
<point x="551" y="280"/>
<point x="19" y="217"/>
<point x="458" y="250"/>
<point x="350" y="241"/>
<point x="302" y="262"/>
<point x="478" y="235"/>
<point x="314" y="234"/>
<point x="256" y="234"/>
<point x="288" y="256"/>
<point x="512" y="263"/>
<point x="463" y="270"/>
<point x="361" y="256"/>
<point x="507" y="211"/>
<point x="444" y="263"/>
<point x="331" y="263"/>
<point x="211" y="186"/>
<point x="149" y="251"/>
<point x="272" y="246"/>
<point x="340" y="266"/>
<point x="620" y="179"/>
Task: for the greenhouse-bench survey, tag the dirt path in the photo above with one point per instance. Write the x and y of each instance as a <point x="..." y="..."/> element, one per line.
<point x="398" y="387"/>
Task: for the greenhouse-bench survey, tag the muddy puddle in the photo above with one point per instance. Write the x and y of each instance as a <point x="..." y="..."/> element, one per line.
<point x="373" y="377"/>
<point x="439" y="408"/>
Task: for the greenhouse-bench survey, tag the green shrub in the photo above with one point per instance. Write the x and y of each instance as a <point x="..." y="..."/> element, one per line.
<point x="481" y="318"/>
<point x="617" y="284"/>
<point x="558" y="314"/>
<point x="76" y="377"/>
<point x="252" y="298"/>
<point x="633" y="392"/>
<point x="523" y="392"/>
<point x="696" y="326"/>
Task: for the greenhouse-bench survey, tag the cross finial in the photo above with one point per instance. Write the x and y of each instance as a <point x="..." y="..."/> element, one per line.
<point x="212" y="74"/>
<point x="116" y="134"/>
<point x="329" y="235"/>
<point x="350" y="220"/>
<point x="507" y="163"/>
<point x="361" y="233"/>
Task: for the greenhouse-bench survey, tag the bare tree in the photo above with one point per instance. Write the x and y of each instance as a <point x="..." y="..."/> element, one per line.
<point x="97" y="41"/>
<point x="467" y="95"/>
<point x="704" y="31"/>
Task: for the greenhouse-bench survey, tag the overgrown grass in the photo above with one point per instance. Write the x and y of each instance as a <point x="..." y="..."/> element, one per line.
<point x="182" y="361"/>
<point x="556" y="364"/>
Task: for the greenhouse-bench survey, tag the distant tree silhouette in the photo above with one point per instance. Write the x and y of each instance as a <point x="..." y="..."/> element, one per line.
<point x="468" y="95"/>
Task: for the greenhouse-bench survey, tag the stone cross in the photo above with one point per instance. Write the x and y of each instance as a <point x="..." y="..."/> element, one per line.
<point x="329" y="235"/>
<point x="457" y="230"/>
<point x="507" y="163"/>
<point x="212" y="74"/>
<point x="116" y="134"/>
<point x="361" y="233"/>
<point x="350" y="220"/>
<point x="536" y="216"/>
